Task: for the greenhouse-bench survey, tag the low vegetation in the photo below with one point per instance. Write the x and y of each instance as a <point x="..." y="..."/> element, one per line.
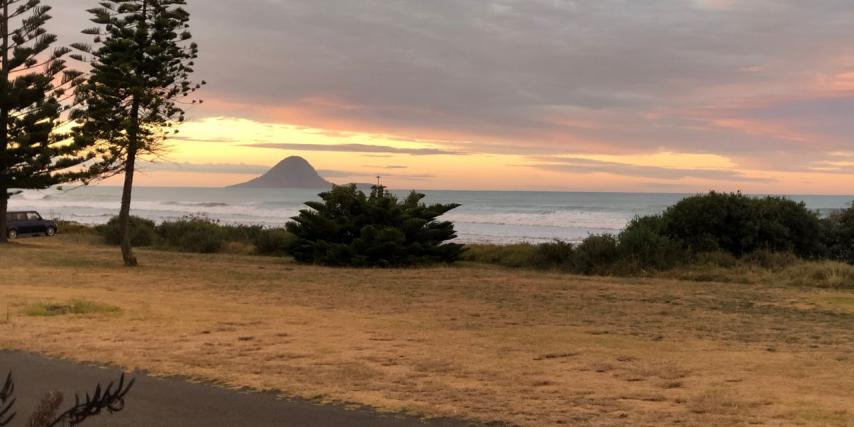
<point x="351" y="228"/>
<point x="79" y="307"/>
<point x="527" y="348"/>
<point x="201" y="235"/>
<point x="712" y="237"/>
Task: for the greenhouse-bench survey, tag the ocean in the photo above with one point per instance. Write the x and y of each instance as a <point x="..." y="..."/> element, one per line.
<point x="484" y="217"/>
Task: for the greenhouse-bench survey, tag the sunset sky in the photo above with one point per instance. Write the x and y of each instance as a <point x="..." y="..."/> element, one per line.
<point x="597" y="95"/>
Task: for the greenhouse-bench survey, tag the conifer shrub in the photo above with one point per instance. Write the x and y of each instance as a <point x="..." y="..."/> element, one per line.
<point x="142" y="231"/>
<point x="349" y="228"/>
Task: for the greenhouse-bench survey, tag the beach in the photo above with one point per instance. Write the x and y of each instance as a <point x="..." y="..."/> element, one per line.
<point x="483" y="217"/>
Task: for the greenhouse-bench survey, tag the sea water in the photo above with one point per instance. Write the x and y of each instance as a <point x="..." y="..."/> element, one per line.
<point x="484" y="216"/>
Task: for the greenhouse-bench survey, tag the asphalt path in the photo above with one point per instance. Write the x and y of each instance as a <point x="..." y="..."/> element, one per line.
<point x="174" y="402"/>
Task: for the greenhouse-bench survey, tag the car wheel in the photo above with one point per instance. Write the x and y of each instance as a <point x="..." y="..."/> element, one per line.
<point x="12" y="234"/>
<point x="50" y="232"/>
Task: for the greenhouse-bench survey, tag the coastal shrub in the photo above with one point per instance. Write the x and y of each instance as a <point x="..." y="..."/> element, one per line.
<point x="821" y="274"/>
<point x="839" y="234"/>
<point x="552" y="255"/>
<point x="200" y="235"/>
<point x="349" y="227"/>
<point x="517" y="255"/>
<point x="597" y="254"/>
<point x="193" y="234"/>
<point x="740" y="224"/>
<point x="770" y="260"/>
<point x="715" y="259"/>
<point x="642" y="246"/>
<point x="275" y="241"/>
<point x="72" y="227"/>
<point x="545" y="256"/>
<point x="142" y="232"/>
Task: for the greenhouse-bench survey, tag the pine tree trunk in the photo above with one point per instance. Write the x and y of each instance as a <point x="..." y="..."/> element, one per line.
<point x="4" y="208"/>
<point x="4" y="119"/>
<point x="130" y="165"/>
<point x="124" y="213"/>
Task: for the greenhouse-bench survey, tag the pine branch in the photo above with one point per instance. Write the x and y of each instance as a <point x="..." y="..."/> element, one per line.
<point x="7" y="402"/>
<point x="111" y="399"/>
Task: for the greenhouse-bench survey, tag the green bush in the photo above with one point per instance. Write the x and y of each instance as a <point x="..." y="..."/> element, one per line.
<point x="275" y="241"/>
<point x="202" y="235"/>
<point x="839" y="232"/>
<point x="642" y="246"/>
<point x="142" y="232"/>
<point x="553" y="255"/>
<point x="350" y="228"/>
<point x="715" y="259"/>
<point x="193" y="234"/>
<point x="596" y="254"/>
<point x="740" y="224"/>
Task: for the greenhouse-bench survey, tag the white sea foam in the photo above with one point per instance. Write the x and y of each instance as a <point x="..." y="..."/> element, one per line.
<point x="489" y="217"/>
<point x="575" y="218"/>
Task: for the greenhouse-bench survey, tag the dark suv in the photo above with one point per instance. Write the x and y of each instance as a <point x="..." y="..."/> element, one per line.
<point x="20" y="223"/>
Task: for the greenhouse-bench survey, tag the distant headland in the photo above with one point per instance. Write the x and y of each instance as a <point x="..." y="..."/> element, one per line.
<point x="292" y="172"/>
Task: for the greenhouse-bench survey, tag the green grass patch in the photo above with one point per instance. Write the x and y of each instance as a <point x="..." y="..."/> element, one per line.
<point x="76" y="307"/>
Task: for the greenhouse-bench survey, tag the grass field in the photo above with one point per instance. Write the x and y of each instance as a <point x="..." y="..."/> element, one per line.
<point x="472" y="341"/>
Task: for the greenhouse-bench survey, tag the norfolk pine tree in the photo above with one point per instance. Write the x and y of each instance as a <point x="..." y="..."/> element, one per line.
<point x="33" y="85"/>
<point x="348" y="227"/>
<point x="141" y="64"/>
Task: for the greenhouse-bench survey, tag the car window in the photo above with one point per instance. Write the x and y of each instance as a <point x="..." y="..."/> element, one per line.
<point x="18" y="217"/>
<point x="32" y="216"/>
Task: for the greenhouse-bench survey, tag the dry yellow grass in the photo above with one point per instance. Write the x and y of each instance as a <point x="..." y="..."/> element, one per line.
<point x="483" y="343"/>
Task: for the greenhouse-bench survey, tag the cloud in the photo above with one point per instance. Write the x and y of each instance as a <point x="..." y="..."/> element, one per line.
<point x="765" y="82"/>
<point x="356" y="148"/>
<point x="205" y="168"/>
<point x="387" y="166"/>
<point x="588" y="166"/>
<point x="184" y="138"/>
<point x="370" y="176"/>
<point x="329" y="173"/>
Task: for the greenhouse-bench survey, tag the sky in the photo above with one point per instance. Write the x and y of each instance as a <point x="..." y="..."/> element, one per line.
<point x="541" y="95"/>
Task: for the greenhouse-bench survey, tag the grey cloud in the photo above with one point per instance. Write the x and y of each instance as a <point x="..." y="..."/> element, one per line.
<point x="205" y="167"/>
<point x="500" y="69"/>
<point x="193" y="139"/>
<point x="363" y="175"/>
<point x="356" y="148"/>
<point x="587" y="166"/>
<point x="329" y="173"/>
<point x="387" y="166"/>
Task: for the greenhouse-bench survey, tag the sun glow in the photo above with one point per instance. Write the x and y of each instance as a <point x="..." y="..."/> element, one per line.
<point x="221" y="151"/>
